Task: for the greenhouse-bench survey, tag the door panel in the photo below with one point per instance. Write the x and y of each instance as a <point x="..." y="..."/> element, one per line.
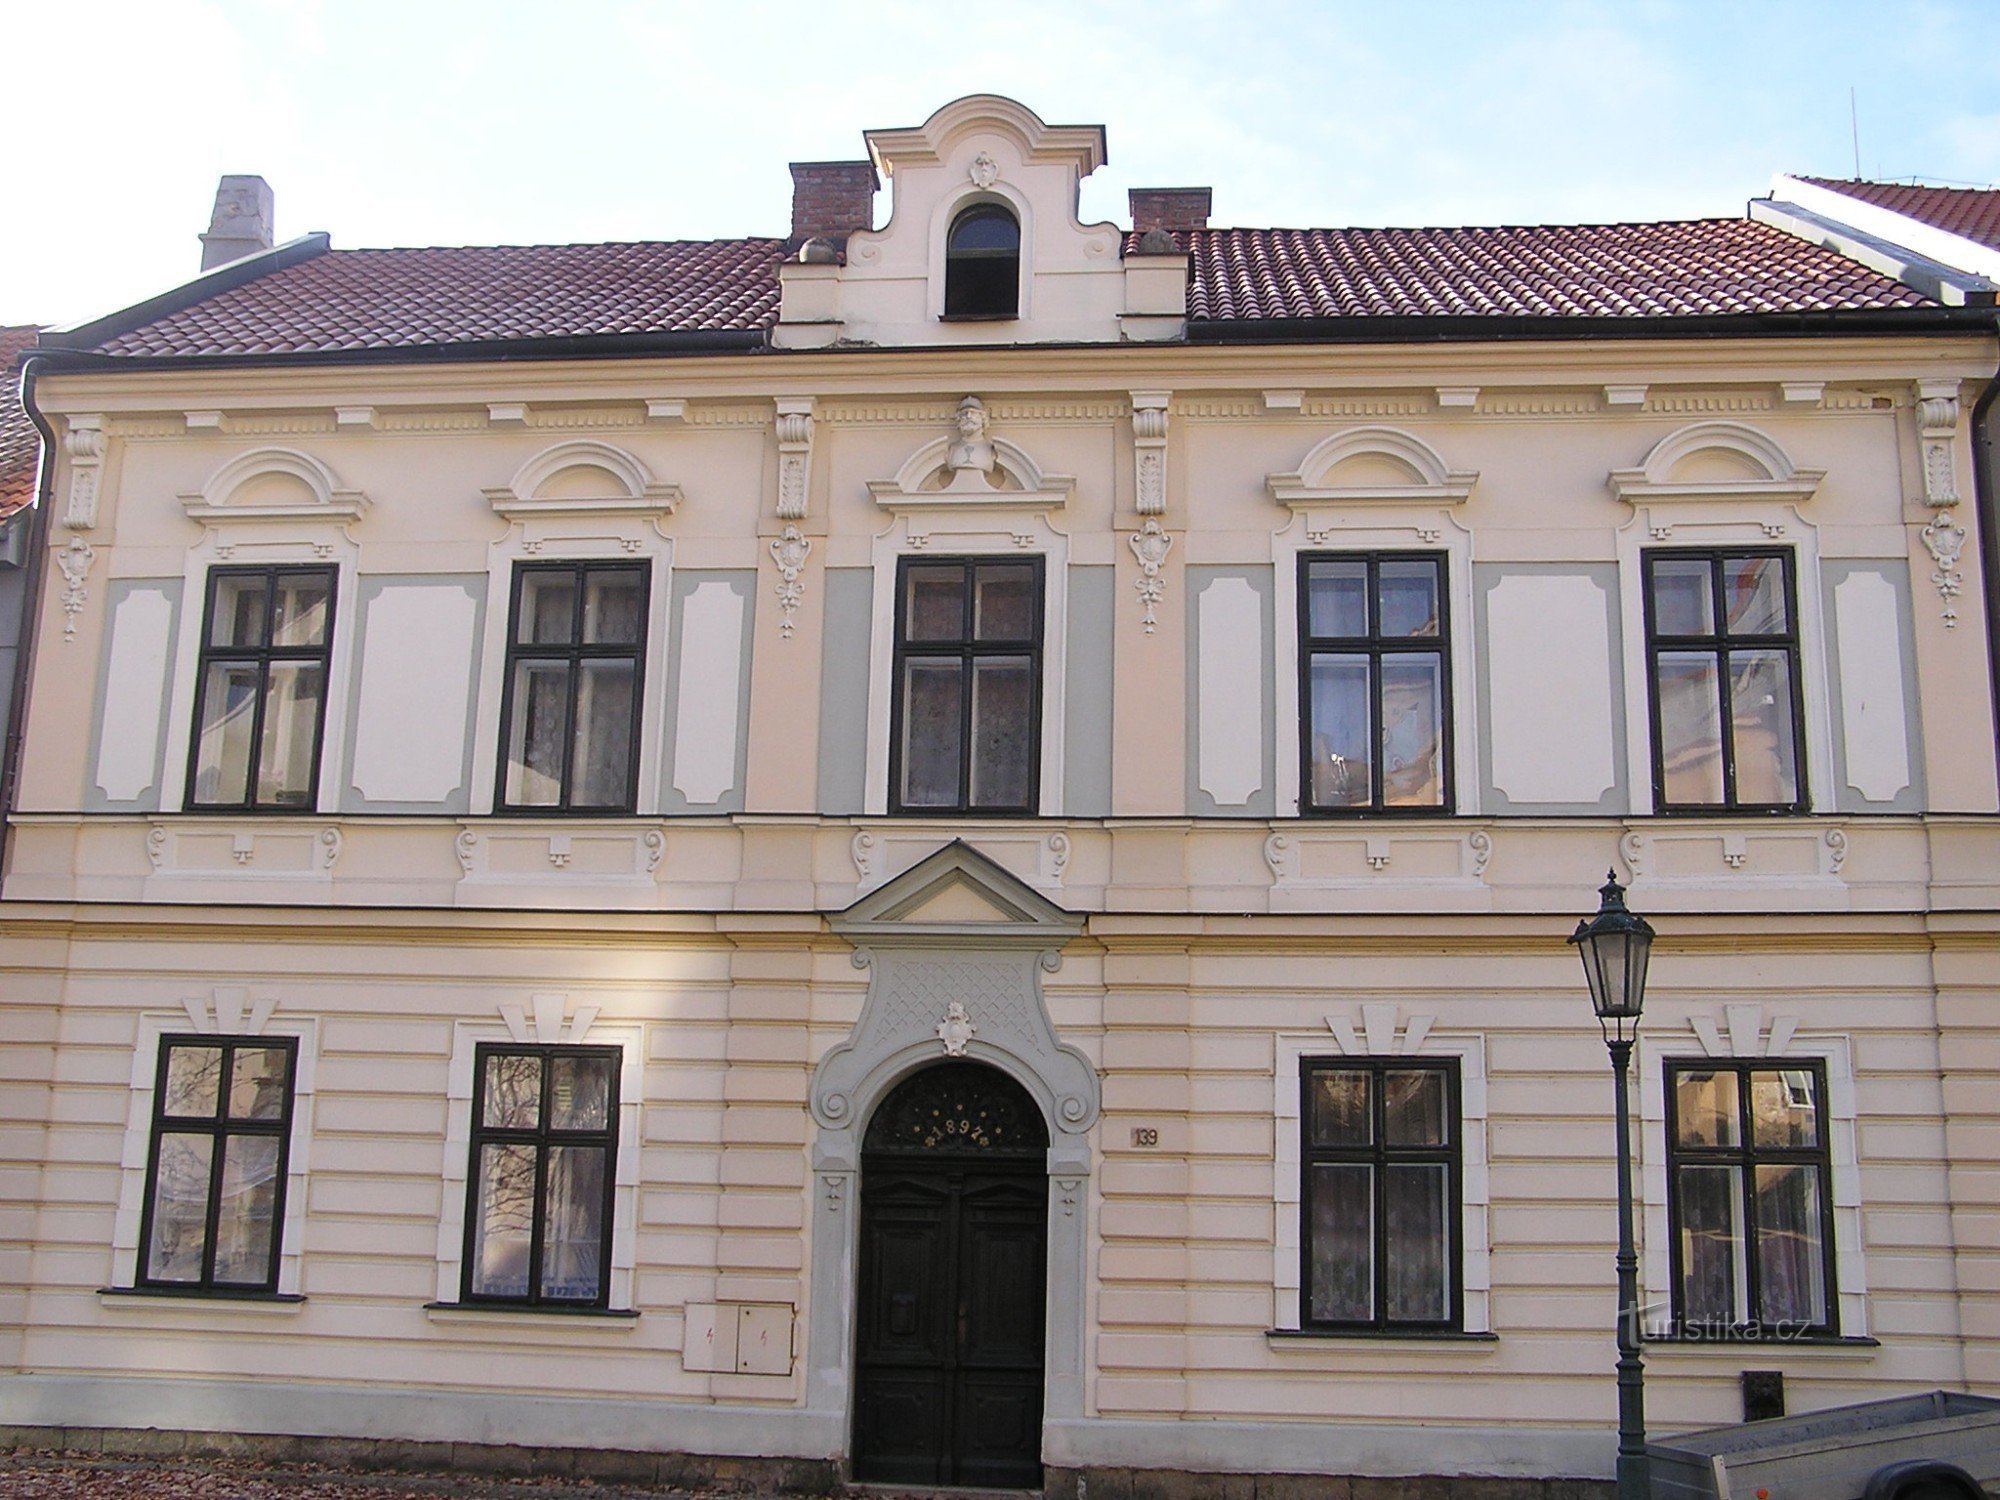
<point x="949" y="1366"/>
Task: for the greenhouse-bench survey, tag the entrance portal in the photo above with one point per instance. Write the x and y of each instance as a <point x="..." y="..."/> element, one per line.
<point x="954" y="1249"/>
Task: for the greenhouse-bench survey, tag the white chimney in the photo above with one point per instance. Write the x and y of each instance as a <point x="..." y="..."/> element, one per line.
<point x="241" y="224"/>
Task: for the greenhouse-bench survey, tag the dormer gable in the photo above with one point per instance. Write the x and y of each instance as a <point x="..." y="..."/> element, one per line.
<point x="983" y="245"/>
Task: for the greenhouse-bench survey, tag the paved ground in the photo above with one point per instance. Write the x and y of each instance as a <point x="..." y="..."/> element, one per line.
<point x="32" y="1476"/>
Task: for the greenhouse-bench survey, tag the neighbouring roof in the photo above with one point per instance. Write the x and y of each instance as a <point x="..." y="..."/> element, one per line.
<point x="350" y="302"/>
<point x="1973" y="213"/>
<point x="20" y="443"/>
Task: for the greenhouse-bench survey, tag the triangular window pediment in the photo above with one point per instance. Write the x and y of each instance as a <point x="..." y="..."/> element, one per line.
<point x="957" y="893"/>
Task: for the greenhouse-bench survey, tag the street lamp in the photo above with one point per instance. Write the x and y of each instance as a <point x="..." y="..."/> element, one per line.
<point x="1614" y="946"/>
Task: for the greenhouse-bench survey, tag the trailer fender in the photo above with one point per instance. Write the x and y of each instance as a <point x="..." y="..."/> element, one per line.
<point x="1922" y="1479"/>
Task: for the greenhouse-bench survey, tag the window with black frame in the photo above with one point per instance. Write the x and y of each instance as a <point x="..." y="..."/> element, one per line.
<point x="260" y="689"/>
<point x="1380" y="1201"/>
<point x="576" y="651"/>
<point x="214" y="1210"/>
<point x="1374" y="683"/>
<point x="1750" y="1199"/>
<point x="982" y="264"/>
<point x="544" y="1146"/>
<point x="1722" y="661"/>
<point x="965" y="731"/>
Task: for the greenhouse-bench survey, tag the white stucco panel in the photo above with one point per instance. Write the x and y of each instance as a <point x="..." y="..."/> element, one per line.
<point x="1231" y="692"/>
<point x="135" y="685"/>
<point x="705" y="724"/>
<point x="409" y="741"/>
<point x="1549" y="665"/>
<point x="1873" y="703"/>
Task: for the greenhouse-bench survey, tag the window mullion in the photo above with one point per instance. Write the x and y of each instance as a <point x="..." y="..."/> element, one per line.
<point x="217" y="1152"/>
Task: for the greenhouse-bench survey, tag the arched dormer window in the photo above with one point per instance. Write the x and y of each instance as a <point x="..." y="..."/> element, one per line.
<point x="982" y="264"/>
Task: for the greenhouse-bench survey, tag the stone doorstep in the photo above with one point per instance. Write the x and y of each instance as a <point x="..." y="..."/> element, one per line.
<point x="444" y="1466"/>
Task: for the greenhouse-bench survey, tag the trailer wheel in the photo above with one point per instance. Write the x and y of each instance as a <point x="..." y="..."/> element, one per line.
<point x="1923" y="1479"/>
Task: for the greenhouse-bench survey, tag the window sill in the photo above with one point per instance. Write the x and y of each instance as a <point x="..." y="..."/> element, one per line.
<point x="1279" y="1338"/>
<point x="1668" y="1343"/>
<point x="542" y="1315"/>
<point x="992" y="317"/>
<point x="200" y="1299"/>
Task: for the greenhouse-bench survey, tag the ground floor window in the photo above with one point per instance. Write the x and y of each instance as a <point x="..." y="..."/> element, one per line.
<point x="544" y="1145"/>
<point x="1380" y="1158"/>
<point x="215" y="1167"/>
<point x="1750" y="1199"/>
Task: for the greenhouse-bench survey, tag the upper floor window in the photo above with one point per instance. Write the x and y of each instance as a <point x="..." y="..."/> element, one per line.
<point x="982" y="264"/>
<point x="544" y="1164"/>
<point x="260" y="696"/>
<point x="1722" y="662"/>
<point x="965" y="730"/>
<point x="570" y="714"/>
<point x="1750" y="1197"/>
<point x="216" y="1164"/>
<point x="1373" y="647"/>
<point x="1381" y="1226"/>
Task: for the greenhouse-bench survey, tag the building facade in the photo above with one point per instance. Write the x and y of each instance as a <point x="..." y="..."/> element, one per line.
<point x="943" y="851"/>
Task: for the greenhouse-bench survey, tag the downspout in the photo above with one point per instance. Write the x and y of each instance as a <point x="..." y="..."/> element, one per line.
<point x="31" y="613"/>
<point x="1986" y="518"/>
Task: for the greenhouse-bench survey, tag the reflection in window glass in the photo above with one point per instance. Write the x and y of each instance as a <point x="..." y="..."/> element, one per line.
<point x="1722" y="654"/>
<point x="215" y="1173"/>
<point x="571" y="716"/>
<point x="1748" y="1160"/>
<point x="1380" y="1216"/>
<point x="544" y="1147"/>
<point x="261" y="688"/>
<point x="1375" y="691"/>
<point x="966" y="717"/>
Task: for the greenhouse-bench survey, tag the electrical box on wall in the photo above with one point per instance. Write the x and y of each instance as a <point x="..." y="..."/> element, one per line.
<point x="739" y="1338"/>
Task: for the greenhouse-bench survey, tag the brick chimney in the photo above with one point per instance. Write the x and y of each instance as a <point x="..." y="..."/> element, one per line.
<point x="241" y="223"/>
<point x="1169" y="208"/>
<point x="832" y="199"/>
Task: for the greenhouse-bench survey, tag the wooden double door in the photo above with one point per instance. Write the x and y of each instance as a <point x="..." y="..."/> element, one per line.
<point x="954" y="1250"/>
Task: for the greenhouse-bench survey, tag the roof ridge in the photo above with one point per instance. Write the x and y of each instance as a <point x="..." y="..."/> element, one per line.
<point x="734" y="239"/>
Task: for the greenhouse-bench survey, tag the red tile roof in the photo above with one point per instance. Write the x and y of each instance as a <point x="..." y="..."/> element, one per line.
<point x="380" y="300"/>
<point x="1973" y="213"/>
<point x="347" y="300"/>
<point x="1694" y="268"/>
<point x="20" y="443"/>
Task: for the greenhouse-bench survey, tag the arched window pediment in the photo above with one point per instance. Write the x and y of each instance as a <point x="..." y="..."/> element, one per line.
<point x="274" y="484"/>
<point x="1715" y="460"/>
<point x="1372" y="465"/>
<point x="580" y="478"/>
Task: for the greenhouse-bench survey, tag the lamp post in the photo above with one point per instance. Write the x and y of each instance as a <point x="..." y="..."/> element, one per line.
<point x="1614" y="946"/>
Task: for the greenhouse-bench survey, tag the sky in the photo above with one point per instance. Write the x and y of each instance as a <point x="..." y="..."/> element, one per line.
<point x="414" y="122"/>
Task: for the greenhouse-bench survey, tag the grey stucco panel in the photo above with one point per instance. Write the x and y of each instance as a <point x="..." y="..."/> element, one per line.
<point x="1617" y="798"/>
<point x="1263" y="802"/>
<point x="741" y="582"/>
<point x="368" y="588"/>
<point x="115" y="594"/>
<point x="843" y="690"/>
<point x="1087" y="694"/>
<point x="1896" y="573"/>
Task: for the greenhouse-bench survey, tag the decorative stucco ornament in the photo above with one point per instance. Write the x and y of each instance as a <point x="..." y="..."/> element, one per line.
<point x="955" y="1030"/>
<point x="84" y="443"/>
<point x="790" y="550"/>
<point x="795" y="438"/>
<point x="75" y="561"/>
<point x="1149" y="451"/>
<point x="984" y="171"/>
<point x="1945" y="540"/>
<point x="1150" y="545"/>
<point x="972" y="459"/>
